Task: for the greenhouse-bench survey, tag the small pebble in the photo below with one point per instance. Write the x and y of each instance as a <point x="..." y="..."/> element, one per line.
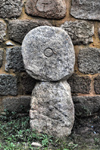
<point x="9" y="43"/>
<point x="95" y="132"/>
<point x="35" y="144"/>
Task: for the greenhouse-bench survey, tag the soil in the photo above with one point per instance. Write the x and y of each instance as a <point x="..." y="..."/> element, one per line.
<point x="86" y="132"/>
<point x="85" y="135"/>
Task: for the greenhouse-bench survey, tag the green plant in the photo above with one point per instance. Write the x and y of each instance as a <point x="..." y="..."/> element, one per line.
<point x="16" y="134"/>
<point x="97" y="140"/>
<point x="14" y="129"/>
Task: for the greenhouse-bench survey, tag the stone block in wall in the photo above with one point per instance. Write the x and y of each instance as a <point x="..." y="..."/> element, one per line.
<point x="17" y="104"/>
<point x="1" y="57"/>
<point x="10" y="8"/>
<point x="97" y="84"/>
<point x="8" y="85"/>
<point x="79" y="84"/>
<point x="17" y="29"/>
<point x="14" y="59"/>
<point x="89" y="60"/>
<point x="54" y="9"/>
<point x="81" y="32"/>
<point x="2" y="31"/>
<point x="27" y="83"/>
<point x="86" y="9"/>
<point x="86" y="105"/>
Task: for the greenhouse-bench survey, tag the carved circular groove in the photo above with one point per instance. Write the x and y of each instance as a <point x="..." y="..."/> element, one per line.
<point x="48" y="52"/>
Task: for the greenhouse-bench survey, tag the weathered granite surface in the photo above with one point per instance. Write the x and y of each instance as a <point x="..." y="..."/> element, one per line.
<point x="79" y="84"/>
<point x="17" y="104"/>
<point x="81" y="32"/>
<point x="10" y="8"/>
<point x="97" y="84"/>
<point x="17" y="29"/>
<point x="48" y="53"/>
<point x="2" y="30"/>
<point x="14" y="59"/>
<point x="52" y="109"/>
<point x="86" y="106"/>
<point x="54" y="9"/>
<point x="8" y="85"/>
<point x="1" y="57"/>
<point x="89" y="60"/>
<point x="86" y="9"/>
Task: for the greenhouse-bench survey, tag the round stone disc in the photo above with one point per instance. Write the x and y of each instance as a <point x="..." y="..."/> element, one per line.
<point x="52" y="108"/>
<point x="48" y="53"/>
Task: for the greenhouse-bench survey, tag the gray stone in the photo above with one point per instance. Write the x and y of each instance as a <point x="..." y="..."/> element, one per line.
<point x="89" y="60"/>
<point x="1" y="57"/>
<point x="17" y="29"/>
<point x="2" y="31"/>
<point x="27" y="84"/>
<point x="86" y="9"/>
<point x="17" y="104"/>
<point x="86" y="105"/>
<point x="10" y="8"/>
<point x="48" y="54"/>
<point x="52" y="109"/>
<point x="81" y="32"/>
<point x="54" y="9"/>
<point x="97" y="84"/>
<point x="14" y="59"/>
<point x="8" y="85"/>
<point x="79" y="84"/>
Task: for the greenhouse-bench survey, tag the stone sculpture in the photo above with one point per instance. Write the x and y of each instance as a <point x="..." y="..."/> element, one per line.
<point x="48" y="56"/>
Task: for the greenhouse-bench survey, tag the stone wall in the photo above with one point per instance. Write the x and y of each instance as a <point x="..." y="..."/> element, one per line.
<point x="80" y="19"/>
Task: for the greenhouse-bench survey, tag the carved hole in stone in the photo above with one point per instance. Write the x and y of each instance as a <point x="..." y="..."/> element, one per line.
<point x="48" y="52"/>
